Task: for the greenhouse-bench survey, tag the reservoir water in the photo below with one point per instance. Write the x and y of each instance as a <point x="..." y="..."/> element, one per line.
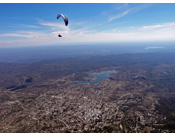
<point x="98" y="77"/>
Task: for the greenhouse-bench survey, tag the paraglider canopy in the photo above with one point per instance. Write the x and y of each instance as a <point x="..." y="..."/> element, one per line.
<point x="64" y="17"/>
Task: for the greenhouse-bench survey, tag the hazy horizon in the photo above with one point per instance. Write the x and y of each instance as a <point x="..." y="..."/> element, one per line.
<point x="39" y="53"/>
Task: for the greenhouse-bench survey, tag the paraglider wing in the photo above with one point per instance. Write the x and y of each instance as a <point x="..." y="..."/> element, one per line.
<point x="64" y="17"/>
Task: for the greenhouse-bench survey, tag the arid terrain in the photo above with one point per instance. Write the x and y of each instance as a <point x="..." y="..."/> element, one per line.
<point x="40" y="97"/>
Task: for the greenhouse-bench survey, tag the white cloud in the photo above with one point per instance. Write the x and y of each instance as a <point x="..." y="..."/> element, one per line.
<point x="122" y="6"/>
<point x="126" y="11"/>
<point x="30" y="26"/>
<point x="119" y="15"/>
<point x="160" y="32"/>
<point x="56" y="25"/>
<point x="159" y="26"/>
<point x="25" y="34"/>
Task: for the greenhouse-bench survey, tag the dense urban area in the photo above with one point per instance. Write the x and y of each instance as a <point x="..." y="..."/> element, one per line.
<point x="45" y="97"/>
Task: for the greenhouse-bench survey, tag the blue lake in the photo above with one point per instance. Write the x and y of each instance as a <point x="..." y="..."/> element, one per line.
<point x="98" y="77"/>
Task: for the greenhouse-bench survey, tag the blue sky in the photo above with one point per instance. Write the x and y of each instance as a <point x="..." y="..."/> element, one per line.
<point x="36" y="24"/>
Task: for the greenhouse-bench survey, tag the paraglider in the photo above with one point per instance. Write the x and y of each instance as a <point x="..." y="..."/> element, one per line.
<point x="65" y="20"/>
<point x="59" y="35"/>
